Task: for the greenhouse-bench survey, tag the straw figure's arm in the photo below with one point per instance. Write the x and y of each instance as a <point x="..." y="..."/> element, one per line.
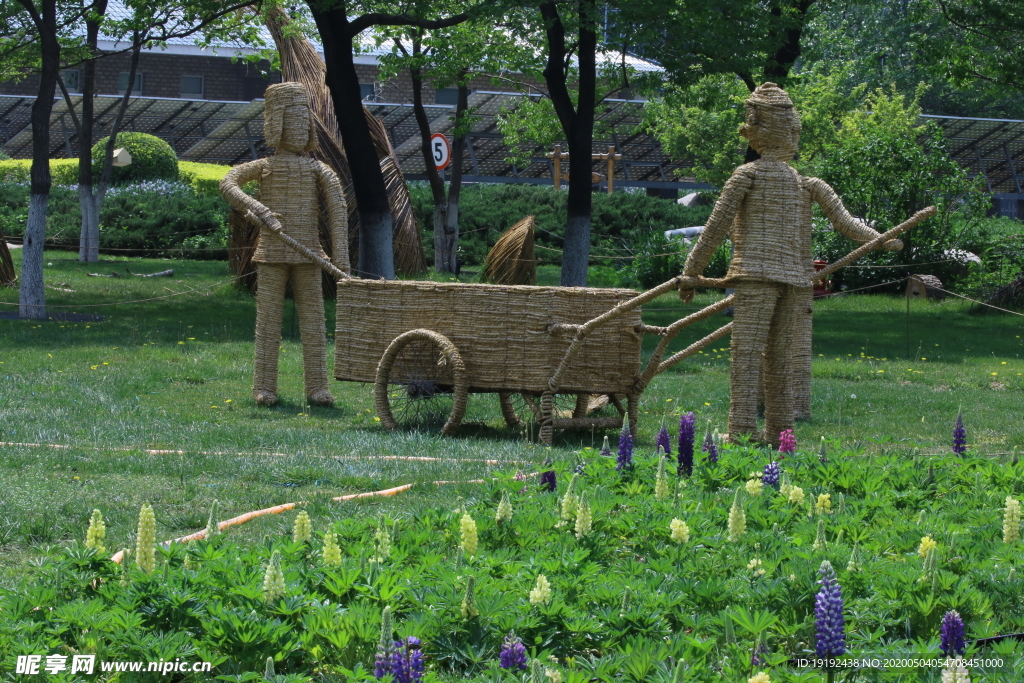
<point x="718" y="225"/>
<point x="231" y="188"/>
<point x="842" y="220"/>
<point x="337" y="212"/>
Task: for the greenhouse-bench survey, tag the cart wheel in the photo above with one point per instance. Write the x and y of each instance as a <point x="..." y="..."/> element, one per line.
<point x="520" y="409"/>
<point x="421" y="383"/>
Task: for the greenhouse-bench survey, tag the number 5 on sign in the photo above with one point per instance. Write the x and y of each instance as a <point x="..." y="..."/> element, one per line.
<point x="441" y="150"/>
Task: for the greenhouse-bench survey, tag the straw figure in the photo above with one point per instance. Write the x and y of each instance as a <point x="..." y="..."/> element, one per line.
<point x="765" y="208"/>
<point x="291" y="189"/>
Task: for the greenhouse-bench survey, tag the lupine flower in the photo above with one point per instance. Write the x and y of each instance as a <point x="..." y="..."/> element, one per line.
<point x="754" y="486"/>
<point x="680" y="532"/>
<point x="930" y="564"/>
<point x="584" y="518"/>
<point x="625" y="459"/>
<point x="823" y="451"/>
<point x="760" y="678"/>
<point x="664" y="441"/>
<point x="952" y="634"/>
<point x="407" y="661"/>
<point x="824" y="504"/>
<point x="1011" y="520"/>
<point x="737" y="519"/>
<point x="469" y="609"/>
<point x="956" y="672"/>
<point x="467" y="527"/>
<point x="709" y="446"/>
<point x="332" y="552"/>
<point x="756" y="567"/>
<point x="959" y="435"/>
<point x="268" y="669"/>
<point x="661" y="481"/>
<point x="382" y="665"/>
<point x="145" y="540"/>
<point x="796" y="495"/>
<point x="553" y="674"/>
<point x="828" y="615"/>
<point x="927" y="545"/>
<point x="536" y="671"/>
<point x="273" y="578"/>
<point x="627" y="597"/>
<point x="570" y="501"/>
<point x="504" y="511"/>
<point x="548" y="482"/>
<point x="787" y="442"/>
<point x="96" y="533"/>
<point x="606" y="450"/>
<point x="541" y="593"/>
<point x="771" y="474"/>
<point x="513" y="653"/>
<point x="819" y="538"/>
<point x="213" y="524"/>
<point x="686" y="444"/>
<point x="854" y="564"/>
<point x="382" y="544"/>
<point x="757" y="659"/>
<point x="303" y="529"/>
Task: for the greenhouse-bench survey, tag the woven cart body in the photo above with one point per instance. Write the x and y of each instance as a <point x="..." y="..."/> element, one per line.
<point x="501" y="332"/>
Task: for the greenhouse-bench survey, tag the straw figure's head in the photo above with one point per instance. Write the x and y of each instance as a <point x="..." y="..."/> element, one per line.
<point x="287" y="121"/>
<point x="772" y="124"/>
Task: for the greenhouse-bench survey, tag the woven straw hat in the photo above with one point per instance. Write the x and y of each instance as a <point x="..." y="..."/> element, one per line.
<point x="770" y="95"/>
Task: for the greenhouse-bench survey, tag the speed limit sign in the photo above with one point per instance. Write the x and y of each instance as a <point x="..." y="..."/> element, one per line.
<point x="441" y="150"/>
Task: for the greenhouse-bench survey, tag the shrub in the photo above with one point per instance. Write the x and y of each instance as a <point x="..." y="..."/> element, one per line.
<point x="62" y="171"/>
<point x="203" y="178"/>
<point x="152" y="159"/>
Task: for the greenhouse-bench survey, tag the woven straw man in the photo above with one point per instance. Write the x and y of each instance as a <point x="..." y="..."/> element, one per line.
<point x="292" y="188"/>
<point x="765" y="209"/>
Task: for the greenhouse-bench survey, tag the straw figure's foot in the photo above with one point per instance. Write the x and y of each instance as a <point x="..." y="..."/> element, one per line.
<point x="265" y="398"/>
<point x="321" y="397"/>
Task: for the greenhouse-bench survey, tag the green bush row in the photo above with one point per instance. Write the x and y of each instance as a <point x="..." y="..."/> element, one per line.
<point x="203" y="178"/>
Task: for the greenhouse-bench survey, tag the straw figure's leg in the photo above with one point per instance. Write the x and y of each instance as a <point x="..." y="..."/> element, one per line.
<point x="582" y="406"/>
<point x="802" y="354"/>
<point x="271" y="281"/>
<point x="309" y="300"/>
<point x="754" y="307"/>
<point x="779" y="354"/>
<point x="633" y="411"/>
<point x="547" y="407"/>
<point x="508" y="410"/>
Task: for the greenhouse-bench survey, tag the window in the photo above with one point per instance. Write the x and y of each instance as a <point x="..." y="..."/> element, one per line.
<point x="122" y="83"/>
<point x="446" y="96"/>
<point x="191" y="87"/>
<point x="368" y="90"/>
<point x="72" y="79"/>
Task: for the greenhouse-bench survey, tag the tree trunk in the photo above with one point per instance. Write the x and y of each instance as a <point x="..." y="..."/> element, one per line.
<point x="442" y="264"/>
<point x="451" y="231"/>
<point x="376" y="258"/>
<point x="89" y="240"/>
<point x="31" y="294"/>
<point x="578" y="125"/>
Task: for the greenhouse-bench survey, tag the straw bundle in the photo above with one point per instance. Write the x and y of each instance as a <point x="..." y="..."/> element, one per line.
<point x="511" y="261"/>
<point x="7" y="274"/>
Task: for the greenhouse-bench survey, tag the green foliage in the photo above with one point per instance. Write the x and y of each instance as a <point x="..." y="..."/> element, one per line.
<point x="886" y="165"/>
<point x="149" y="218"/>
<point x="655" y="259"/>
<point x="62" y="171"/>
<point x="203" y="178"/>
<point x="486" y="211"/>
<point x="698" y="602"/>
<point x="152" y="159"/>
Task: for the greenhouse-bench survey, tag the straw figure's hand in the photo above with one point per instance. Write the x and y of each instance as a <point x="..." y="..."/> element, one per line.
<point x="686" y="294"/>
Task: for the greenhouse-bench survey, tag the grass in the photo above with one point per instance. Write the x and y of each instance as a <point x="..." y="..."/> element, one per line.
<point x="174" y="374"/>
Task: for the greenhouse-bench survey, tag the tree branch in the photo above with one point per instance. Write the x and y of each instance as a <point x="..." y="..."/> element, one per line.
<point x="365" y="21"/>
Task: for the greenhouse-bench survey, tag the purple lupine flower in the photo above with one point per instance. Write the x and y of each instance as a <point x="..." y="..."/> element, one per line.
<point x="407" y="661"/>
<point x="513" y="653"/>
<point x="709" y="446"/>
<point x="663" y="441"/>
<point x="952" y="634"/>
<point x="757" y="656"/>
<point x="548" y="482"/>
<point x="787" y="442"/>
<point x="959" y="435"/>
<point x="686" y="444"/>
<point x="381" y="665"/>
<point x="828" y="615"/>
<point x="625" y="459"/>
<point x="771" y="474"/>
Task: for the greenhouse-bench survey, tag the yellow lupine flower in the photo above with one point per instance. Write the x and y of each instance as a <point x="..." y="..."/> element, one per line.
<point x="469" y="539"/>
<point x="541" y="593"/>
<point x="584" y="518"/>
<point x="927" y="545"/>
<point x="96" y="533"/>
<point x="504" y="511"/>
<point x="273" y="579"/>
<point x="145" y="540"/>
<point x="661" y="481"/>
<point x="680" y="532"/>
<point x="760" y="678"/>
<point x="1011" y="520"/>
<point x="824" y="504"/>
<point x="737" y="519"/>
<point x="754" y="486"/>
<point x="796" y="495"/>
<point x="302" y="531"/>
<point x="332" y="551"/>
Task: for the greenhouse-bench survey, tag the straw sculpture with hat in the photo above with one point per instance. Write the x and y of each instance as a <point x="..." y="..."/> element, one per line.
<point x="765" y="209"/>
<point x="292" y="187"/>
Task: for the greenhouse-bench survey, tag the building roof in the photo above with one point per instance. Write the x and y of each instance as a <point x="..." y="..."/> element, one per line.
<point x="989" y="148"/>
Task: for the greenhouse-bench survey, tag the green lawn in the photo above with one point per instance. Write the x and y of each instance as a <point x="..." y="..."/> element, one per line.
<point x="174" y="374"/>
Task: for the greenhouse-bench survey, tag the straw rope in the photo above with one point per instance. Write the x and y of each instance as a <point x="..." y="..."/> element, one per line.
<point x="512" y="260"/>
